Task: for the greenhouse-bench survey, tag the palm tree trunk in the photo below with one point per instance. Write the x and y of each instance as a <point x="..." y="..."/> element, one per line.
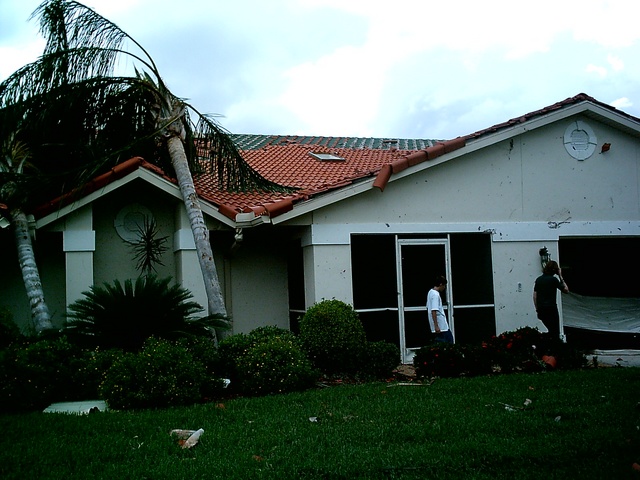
<point x="198" y="226"/>
<point x="39" y="311"/>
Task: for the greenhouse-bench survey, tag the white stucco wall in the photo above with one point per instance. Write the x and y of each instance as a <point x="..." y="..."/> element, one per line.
<point x="515" y="268"/>
<point x="328" y="273"/>
<point x="527" y="190"/>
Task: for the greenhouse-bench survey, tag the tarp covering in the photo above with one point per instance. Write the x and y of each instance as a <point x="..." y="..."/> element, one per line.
<point x="607" y="314"/>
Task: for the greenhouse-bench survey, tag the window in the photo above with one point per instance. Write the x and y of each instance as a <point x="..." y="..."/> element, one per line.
<point x="326" y="157"/>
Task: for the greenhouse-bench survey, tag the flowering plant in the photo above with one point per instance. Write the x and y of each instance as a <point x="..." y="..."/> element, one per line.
<point x="439" y="360"/>
<point x="516" y="350"/>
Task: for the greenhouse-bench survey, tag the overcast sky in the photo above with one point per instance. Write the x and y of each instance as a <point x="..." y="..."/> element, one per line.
<point x="370" y="68"/>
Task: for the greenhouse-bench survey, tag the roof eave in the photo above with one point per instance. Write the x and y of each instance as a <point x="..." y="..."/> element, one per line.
<point x="141" y="173"/>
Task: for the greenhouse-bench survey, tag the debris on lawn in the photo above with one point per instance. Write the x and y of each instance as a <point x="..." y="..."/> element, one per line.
<point x="419" y="384"/>
<point x="187" y="438"/>
<point x="81" y="408"/>
<point x="512" y="408"/>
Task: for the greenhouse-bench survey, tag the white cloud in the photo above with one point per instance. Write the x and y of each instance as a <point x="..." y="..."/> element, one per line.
<point x="616" y="63"/>
<point x="600" y="71"/>
<point x="622" y="103"/>
<point x="371" y="67"/>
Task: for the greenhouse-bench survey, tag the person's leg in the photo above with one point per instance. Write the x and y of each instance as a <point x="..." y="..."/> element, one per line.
<point x="551" y="319"/>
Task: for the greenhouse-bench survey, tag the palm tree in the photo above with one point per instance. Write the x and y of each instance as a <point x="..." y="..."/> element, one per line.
<point x="72" y="107"/>
<point x="14" y="166"/>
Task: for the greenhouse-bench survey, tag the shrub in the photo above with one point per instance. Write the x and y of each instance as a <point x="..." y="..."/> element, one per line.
<point x="234" y="347"/>
<point x="274" y="365"/>
<point x="162" y="374"/>
<point x="36" y="373"/>
<point x="379" y="359"/>
<point x="439" y="360"/>
<point x="205" y="352"/>
<point x="91" y="375"/>
<point x="266" y="360"/>
<point x="478" y="360"/>
<point x="9" y="331"/>
<point x="267" y="332"/>
<point x="567" y="356"/>
<point x="517" y="350"/>
<point x="231" y="350"/>
<point x="333" y="336"/>
<point x="124" y="316"/>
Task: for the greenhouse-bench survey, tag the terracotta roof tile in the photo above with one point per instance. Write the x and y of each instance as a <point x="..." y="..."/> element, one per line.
<point x="287" y="160"/>
<point x="293" y="165"/>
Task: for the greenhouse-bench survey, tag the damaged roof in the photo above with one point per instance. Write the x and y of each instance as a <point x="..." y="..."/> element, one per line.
<point x="317" y="165"/>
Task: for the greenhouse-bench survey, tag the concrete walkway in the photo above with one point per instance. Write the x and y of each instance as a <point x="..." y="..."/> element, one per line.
<point x="616" y="358"/>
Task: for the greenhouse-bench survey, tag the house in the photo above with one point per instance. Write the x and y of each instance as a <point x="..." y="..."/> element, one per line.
<point x="373" y="221"/>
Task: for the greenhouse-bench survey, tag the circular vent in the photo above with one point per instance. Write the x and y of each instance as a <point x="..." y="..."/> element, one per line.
<point x="579" y="140"/>
<point x="130" y="220"/>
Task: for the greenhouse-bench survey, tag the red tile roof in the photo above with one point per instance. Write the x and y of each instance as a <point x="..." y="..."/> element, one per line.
<point x="294" y="166"/>
<point x="286" y="160"/>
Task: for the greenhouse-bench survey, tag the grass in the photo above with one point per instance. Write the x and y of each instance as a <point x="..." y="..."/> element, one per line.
<point x="580" y="424"/>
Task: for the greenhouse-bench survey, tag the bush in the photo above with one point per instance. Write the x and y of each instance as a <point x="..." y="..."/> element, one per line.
<point x="9" y="331"/>
<point x="567" y="356"/>
<point x="36" y="373"/>
<point x="205" y="352"/>
<point x="333" y="336"/>
<point x="260" y="334"/>
<point x="520" y="350"/>
<point x="231" y="350"/>
<point x="379" y="360"/>
<point x="440" y="360"/>
<point x="266" y="360"/>
<point x="162" y="374"/>
<point x="517" y="350"/>
<point x="92" y="373"/>
<point x="234" y="347"/>
<point x="274" y="365"/>
<point x="124" y="316"/>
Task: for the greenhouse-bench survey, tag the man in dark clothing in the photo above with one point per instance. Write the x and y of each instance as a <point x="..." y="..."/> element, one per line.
<point x="544" y="296"/>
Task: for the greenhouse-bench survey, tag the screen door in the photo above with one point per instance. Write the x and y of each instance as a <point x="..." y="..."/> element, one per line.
<point x="419" y="262"/>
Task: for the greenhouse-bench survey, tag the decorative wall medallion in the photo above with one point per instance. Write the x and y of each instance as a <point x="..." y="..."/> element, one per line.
<point x="579" y="140"/>
<point x="130" y="220"/>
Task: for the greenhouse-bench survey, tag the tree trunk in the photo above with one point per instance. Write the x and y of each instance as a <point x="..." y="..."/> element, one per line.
<point x="198" y="226"/>
<point x="39" y="311"/>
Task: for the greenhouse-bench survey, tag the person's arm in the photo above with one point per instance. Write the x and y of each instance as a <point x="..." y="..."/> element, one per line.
<point x="535" y="300"/>
<point x="434" y="315"/>
<point x="563" y="285"/>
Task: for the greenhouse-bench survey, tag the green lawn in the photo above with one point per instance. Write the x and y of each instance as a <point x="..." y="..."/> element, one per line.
<point x="579" y="425"/>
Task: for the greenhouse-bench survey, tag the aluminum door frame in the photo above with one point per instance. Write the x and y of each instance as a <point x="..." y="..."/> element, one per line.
<point x="408" y="353"/>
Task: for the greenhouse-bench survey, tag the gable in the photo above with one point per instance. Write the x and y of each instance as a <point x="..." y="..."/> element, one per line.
<point x="528" y="178"/>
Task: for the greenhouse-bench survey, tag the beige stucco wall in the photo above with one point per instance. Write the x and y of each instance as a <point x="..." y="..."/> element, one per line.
<point x="113" y="258"/>
<point x="258" y="295"/>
